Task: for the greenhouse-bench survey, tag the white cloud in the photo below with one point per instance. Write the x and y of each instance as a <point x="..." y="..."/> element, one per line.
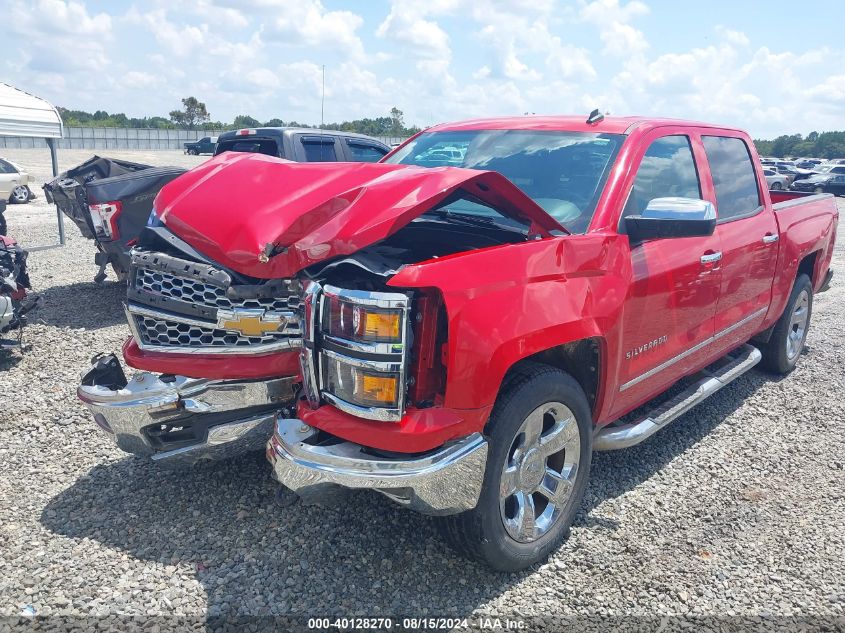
<point x="612" y="20"/>
<point x="734" y="37"/>
<point x="407" y="24"/>
<point x="309" y="23"/>
<point x="140" y="80"/>
<point x="60" y="17"/>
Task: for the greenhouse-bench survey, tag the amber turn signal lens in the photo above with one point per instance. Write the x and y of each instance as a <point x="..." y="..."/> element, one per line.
<point x="380" y="325"/>
<point x="381" y="389"/>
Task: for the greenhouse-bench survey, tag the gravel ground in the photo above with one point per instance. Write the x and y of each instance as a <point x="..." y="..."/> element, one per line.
<point x="735" y="510"/>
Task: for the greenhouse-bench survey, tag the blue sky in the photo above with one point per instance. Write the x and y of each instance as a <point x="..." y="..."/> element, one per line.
<point x="771" y="67"/>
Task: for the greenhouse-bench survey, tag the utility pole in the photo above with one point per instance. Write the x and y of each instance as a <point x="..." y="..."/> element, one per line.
<point x="323" y="98"/>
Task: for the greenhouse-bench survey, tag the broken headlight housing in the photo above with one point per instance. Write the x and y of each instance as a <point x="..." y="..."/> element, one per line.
<point x="358" y="349"/>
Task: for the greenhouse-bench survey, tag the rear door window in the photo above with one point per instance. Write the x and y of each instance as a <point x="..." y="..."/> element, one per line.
<point x="318" y="149"/>
<point x="365" y="152"/>
<point x="734" y="178"/>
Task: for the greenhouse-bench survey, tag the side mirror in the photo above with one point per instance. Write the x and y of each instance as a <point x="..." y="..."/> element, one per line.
<point x="672" y="217"/>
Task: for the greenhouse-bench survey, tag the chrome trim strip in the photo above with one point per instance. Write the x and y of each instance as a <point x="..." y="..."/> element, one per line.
<point x="362" y="347"/>
<point x="381" y="414"/>
<point x="285" y="317"/>
<point x="692" y="350"/>
<point x="367" y="298"/>
<point x="265" y="348"/>
<point x="363" y="363"/>
<point x="310" y="315"/>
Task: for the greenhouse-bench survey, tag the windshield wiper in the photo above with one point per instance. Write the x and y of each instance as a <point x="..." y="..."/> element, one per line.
<point x="471" y="219"/>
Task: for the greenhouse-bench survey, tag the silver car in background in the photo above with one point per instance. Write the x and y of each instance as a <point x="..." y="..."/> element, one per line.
<point x="775" y="180"/>
<point x="14" y="183"/>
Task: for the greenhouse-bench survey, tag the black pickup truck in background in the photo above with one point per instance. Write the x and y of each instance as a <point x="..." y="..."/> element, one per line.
<point x="110" y="200"/>
<point x="303" y="145"/>
<point x="205" y="145"/>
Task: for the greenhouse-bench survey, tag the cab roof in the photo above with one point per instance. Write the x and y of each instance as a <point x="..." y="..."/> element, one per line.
<point x="570" y="123"/>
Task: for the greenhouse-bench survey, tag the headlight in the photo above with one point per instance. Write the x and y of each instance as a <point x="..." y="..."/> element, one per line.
<point x="345" y="319"/>
<point x="362" y="343"/>
<point x="361" y="383"/>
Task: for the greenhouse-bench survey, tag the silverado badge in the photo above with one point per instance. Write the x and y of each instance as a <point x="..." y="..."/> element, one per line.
<point x="646" y="347"/>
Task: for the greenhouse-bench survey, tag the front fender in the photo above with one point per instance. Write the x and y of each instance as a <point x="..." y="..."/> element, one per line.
<point x="510" y="302"/>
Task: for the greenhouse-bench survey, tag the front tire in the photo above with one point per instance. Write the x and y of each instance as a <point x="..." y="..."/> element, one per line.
<point x="781" y="353"/>
<point x="538" y="465"/>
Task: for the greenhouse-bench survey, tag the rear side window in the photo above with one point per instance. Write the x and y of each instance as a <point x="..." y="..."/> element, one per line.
<point x="253" y="146"/>
<point x="667" y="170"/>
<point x="319" y="149"/>
<point x="365" y="153"/>
<point x="733" y="176"/>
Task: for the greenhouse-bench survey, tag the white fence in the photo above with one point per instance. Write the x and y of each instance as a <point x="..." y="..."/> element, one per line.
<point x="126" y="138"/>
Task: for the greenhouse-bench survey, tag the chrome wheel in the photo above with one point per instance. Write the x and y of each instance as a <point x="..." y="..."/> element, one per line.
<point x="798" y="325"/>
<point x="539" y="474"/>
<point x="818" y="190"/>
<point x="777" y="186"/>
<point x="20" y="194"/>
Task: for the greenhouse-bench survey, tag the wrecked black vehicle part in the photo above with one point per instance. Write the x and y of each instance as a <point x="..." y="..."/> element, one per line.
<point x="110" y="201"/>
<point x="15" y="302"/>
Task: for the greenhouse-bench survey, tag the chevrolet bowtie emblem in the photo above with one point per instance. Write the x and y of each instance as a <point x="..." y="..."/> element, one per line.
<point x="250" y="322"/>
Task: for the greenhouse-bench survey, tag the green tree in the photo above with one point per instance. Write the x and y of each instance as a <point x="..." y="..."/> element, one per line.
<point x="193" y="113"/>
<point x="397" y="122"/>
<point x="244" y="120"/>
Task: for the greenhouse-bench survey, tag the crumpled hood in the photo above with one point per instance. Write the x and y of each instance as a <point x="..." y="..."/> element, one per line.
<point x="236" y="204"/>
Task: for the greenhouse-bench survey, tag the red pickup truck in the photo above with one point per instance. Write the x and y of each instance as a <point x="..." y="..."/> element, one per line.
<point x="461" y="325"/>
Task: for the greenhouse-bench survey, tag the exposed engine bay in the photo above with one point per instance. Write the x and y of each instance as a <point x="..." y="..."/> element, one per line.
<point x="430" y="236"/>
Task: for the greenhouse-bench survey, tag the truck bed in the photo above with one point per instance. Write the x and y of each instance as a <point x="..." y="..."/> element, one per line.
<point x="807" y="228"/>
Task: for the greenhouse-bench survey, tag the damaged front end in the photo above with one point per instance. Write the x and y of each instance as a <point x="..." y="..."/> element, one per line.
<point x="177" y="420"/>
<point x="15" y="302"/>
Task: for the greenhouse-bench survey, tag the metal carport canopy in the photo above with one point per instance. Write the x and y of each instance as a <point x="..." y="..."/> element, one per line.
<point x="23" y="114"/>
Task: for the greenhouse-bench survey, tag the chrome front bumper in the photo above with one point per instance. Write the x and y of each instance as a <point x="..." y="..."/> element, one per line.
<point x="179" y="420"/>
<point x="445" y="481"/>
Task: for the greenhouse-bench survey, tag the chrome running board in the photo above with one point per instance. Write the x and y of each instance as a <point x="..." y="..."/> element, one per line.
<point x="708" y="383"/>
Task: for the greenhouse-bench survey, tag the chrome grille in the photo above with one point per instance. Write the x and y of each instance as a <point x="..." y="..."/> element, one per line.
<point x="163" y="332"/>
<point x="198" y="292"/>
<point x="205" y="320"/>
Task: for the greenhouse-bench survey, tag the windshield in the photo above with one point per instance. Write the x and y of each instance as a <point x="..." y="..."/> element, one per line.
<point x="563" y="172"/>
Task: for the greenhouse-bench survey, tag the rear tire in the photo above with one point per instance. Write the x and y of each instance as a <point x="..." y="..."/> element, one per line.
<point x="781" y="353"/>
<point x="776" y="186"/>
<point x="538" y="465"/>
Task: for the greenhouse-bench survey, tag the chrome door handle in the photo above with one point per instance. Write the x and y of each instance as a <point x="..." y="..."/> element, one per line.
<point x="711" y="258"/>
<point x="770" y="239"/>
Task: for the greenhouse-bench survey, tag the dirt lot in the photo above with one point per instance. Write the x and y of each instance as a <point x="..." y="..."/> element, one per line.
<point x="737" y="509"/>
